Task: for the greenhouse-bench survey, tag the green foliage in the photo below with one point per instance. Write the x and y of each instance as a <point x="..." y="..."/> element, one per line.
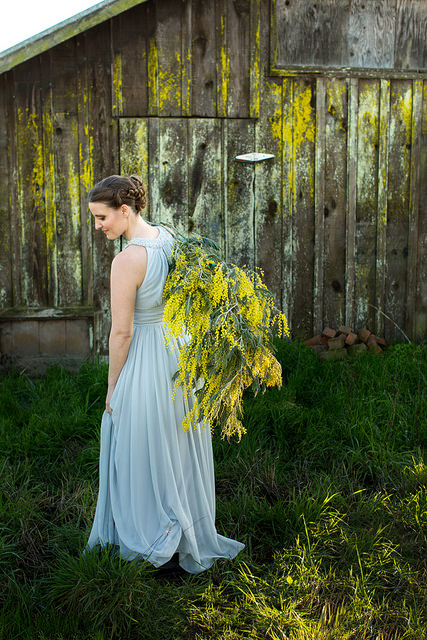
<point x="328" y="490"/>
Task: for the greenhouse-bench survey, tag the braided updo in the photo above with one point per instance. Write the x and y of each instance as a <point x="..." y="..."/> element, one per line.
<point x="117" y="190"/>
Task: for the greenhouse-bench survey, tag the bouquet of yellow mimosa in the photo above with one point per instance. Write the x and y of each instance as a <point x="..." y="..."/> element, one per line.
<point x="231" y="319"/>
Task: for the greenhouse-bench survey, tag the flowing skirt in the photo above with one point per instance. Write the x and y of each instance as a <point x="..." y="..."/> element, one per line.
<point x="156" y="481"/>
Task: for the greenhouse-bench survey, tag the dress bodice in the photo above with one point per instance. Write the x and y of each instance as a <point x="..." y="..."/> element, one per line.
<point x="149" y="302"/>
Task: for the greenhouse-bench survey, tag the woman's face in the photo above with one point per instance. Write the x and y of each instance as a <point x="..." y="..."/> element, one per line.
<point x="113" y="222"/>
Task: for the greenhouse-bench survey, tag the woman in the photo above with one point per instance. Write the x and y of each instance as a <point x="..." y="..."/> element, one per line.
<point x="156" y="487"/>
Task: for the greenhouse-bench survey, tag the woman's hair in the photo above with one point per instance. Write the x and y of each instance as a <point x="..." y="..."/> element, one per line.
<point x="117" y="190"/>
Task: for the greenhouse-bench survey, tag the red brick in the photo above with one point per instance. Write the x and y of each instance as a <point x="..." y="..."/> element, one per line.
<point x="334" y="354"/>
<point x="313" y="340"/>
<point x="351" y="339"/>
<point x="355" y="349"/>
<point x="336" y="343"/>
<point x="381" y="341"/>
<point x="324" y="340"/>
<point x="318" y="348"/>
<point x="375" y="348"/>
<point x="364" y="334"/>
<point x="346" y="330"/>
<point x="371" y="339"/>
<point x="329" y="333"/>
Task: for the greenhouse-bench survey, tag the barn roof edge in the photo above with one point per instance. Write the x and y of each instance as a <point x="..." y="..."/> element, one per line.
<point x="62" y="31"/>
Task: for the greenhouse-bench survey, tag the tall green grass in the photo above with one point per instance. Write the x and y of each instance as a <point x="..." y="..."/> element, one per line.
<point x="327" y="490"/>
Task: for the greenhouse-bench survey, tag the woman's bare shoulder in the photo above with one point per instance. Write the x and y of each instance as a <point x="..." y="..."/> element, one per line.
<point x="126" y="262"/>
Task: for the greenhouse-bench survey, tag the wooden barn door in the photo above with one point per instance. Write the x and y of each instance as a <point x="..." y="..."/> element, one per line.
<point x="195" y="183"/>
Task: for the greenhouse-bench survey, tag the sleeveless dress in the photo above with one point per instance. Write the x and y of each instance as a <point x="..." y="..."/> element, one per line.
<point x="156" y="481"/>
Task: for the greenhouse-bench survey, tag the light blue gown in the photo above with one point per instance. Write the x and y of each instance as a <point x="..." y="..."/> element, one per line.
<point x="156" y="481"/>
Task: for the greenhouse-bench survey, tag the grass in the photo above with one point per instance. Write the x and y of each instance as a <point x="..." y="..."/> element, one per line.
<point x="327" y="490"/>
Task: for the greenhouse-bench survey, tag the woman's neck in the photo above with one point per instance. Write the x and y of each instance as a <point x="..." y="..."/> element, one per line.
<point x="139" y="228"/>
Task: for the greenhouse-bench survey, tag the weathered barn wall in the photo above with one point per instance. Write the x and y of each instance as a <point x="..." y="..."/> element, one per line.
<point x="175" y="91"/>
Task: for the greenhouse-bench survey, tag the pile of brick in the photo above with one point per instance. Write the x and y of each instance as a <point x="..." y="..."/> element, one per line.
<point x="337" y="344"/>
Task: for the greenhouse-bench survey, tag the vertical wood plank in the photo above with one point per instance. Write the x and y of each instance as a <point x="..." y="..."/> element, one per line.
<point x="206" y="215"/>
<point x="239" y="138"/>
<point x="284" y="129"/>
<point x="420" y="313"/>
<point x="398" y="207"/>
<point x="366" y="210"/>
<point x="133" y="135"/>
<point x="414" y="206"/>
<point x="5" y="230"/>
<point x="29" y="218"/>
<point x="381" y="258"/>
<point x="350" y="254"/>
<point x="130" y="32"/>
<point x="203" y="59"/>
<point x="49" y="181"/>
<point x="117" y="83"/>
<point x="173" y="173"/>
<point x="222" y="58"/>
<point x="238" y="47"/>
<point x="68" y="224"/>
<point x="153" y="190"/>
<point x="186" y="59"/>
<point x="303" y="161"/>
<point x="153" y="95"/>
<point x="336" y="127"/>
<point x="61" y="135"/>
<point x="86" y="148"/>
<point x="165" y="63"/>
<point x="105" y="162"/>
<point x="258" y="62"/>
<point x="269" y="213"/>
<point x="268" y="190"/>
<point x="319" y="205"/>
<point x="13" y="191"/>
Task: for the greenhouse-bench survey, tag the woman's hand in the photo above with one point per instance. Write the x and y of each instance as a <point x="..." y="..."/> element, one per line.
<point x="108" y="409"/>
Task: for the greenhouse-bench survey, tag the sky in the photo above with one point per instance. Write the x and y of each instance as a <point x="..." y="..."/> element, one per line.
<point x="22" y="19"/>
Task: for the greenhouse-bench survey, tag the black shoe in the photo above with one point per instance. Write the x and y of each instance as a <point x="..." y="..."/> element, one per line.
<point x="170" y="568"/>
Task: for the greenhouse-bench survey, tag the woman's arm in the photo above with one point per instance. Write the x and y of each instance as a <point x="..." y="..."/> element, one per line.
<point x="126" y="271"/>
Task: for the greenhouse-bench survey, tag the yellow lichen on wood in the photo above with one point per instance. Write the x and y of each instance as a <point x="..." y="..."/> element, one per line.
<point x="164" y="83"/>
<point x="368" y="114"/>
<point x="117" y="86"/>
<point x="255" y="79"/>
<point x="405" y="108"/>
<point x="30" y="144"/>
<point x="30" y="196"/>
<point x="142" y="147"/>
<point x="74" y="186"/>
<point x="186" y="83"/>
<point x="384" y="123"/>
<point x="276" y="119"/>
<point x="368" y="141"/>
<point x="297" y="129"/>
<point x="49" y="187"/>
<point x="86" y="151"/>
<point x="153" y="78"/>
<point x="223" y="73"/>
